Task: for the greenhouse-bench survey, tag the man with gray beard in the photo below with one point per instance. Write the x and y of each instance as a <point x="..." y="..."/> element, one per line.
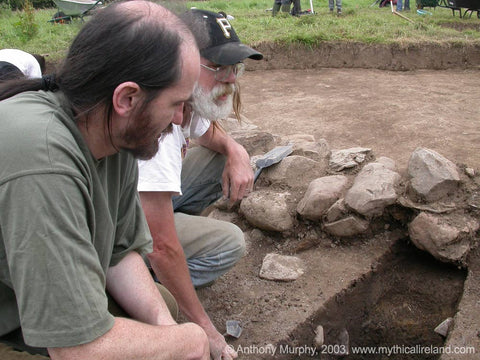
<point x="191" y="251"/>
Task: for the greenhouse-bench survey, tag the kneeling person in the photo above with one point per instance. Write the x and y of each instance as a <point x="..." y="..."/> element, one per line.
<point x="191" y="250"/>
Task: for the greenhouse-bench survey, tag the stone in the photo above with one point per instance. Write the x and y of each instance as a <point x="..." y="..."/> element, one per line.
<point x="349" y="226"/>
<point x="444" y="327"/>
<point x="233" y="328"/>
<point x="267" y="210"/>
<point x="337" y="211"/>
<point x="373" y="190"/>
<point x="432" y="176"/>
<point x="319" y="336"/>
<point x="348" y="158"/>
<point x="281" y="267"/>
<point x="321" y="194"/>
<point x="294" y="171"/>
<point x="447" y="237"/>
<point x="256" y="142"/>
<point x="256" y="235"/>
<point x="387" y="162"/>
<point x="306" y="145"/>
<point x="470" y="172"/>
<point x="343" y="343"/>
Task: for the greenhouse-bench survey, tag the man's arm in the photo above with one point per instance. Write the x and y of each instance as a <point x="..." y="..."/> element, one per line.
<point x="170" y="266"/>
<point x="129" y="339"/>
<point x="132" y="287"/>
<point x="152" y="335"/>
<point x="237" y="178"/>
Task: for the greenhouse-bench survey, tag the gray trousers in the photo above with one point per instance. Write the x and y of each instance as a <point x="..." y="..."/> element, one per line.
<point x="331" y="5"/>
<point x="211" y="246"/>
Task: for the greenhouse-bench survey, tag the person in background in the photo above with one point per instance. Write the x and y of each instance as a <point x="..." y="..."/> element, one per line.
<point x="73" y="232"/>
<point x="31" y="65"/>
<point x="400" y="6"/>
<point x="331" y="6"/>
<point x="284" y="6"/>
<point x="190" y="250"/>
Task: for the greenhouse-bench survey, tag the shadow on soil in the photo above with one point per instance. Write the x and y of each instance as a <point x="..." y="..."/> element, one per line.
<point x="397" y="307"/>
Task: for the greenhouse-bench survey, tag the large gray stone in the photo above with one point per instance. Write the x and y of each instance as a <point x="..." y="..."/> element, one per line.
<point x="294" y="171"/>
<point x="281" y="267"/>
<point x="349" y="226"/>
<point x="320" y="195"/>
<point x="447" y="237"/>
<point x="373" y="190"/>
<point x="267" y="210"/>
<point x="348" y="158"/>
<point x="306" y="145"/>
<point x="256" y="142"/>
<point x="432" y="175"/>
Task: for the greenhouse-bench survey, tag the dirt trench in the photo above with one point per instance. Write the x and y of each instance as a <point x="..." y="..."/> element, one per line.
<point x="382" y="290"/>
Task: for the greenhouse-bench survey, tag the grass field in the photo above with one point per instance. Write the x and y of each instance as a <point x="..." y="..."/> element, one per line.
<point x="361" y="21"/>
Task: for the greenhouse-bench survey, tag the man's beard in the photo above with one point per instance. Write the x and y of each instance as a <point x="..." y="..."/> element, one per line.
<point x="141" y="138"/>
<point x="204" y="103"/>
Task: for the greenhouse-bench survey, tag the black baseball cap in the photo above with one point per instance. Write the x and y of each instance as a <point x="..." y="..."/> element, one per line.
<point x="225" y="48"/>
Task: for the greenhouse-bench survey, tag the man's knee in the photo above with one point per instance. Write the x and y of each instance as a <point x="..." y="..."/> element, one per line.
<point x="236" y="239"/>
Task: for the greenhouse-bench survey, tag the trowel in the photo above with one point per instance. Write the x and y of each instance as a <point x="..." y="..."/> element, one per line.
<point x="272" y="157"/>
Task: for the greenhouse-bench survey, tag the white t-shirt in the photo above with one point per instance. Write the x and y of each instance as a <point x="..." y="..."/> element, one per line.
<point x="163" y="171"/>
<point x="26" y="62"/>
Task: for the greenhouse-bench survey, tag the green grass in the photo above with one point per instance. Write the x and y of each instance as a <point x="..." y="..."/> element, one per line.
<point x="51" y="40"/>
<point x="360" y="22"/>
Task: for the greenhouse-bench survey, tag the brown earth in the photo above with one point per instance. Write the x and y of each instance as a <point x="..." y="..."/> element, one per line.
<point x="389" y="112"/>
<point x="382" y="290"/>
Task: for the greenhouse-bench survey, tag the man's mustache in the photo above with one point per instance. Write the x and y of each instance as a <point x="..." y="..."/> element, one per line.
<point x="226" y="89"/>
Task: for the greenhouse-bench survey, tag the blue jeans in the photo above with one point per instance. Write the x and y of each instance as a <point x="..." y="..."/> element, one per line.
<point x="400" y="5"/>
<point x="211" y="246"/>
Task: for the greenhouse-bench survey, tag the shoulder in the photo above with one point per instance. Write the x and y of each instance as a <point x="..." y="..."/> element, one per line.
<point x="198" y="126"/>
<point x="25" y="61"/>
<point x="35" y="136"/>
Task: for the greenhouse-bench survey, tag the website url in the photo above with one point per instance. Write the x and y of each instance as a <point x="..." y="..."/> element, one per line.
<point x="412" y="350"/>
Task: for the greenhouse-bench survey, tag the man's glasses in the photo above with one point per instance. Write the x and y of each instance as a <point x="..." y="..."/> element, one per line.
<point x="223" y="72"/>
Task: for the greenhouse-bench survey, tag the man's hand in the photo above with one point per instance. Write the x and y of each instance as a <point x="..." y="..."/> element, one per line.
<point x="219" y="349"/>
<point x="237" y="178"/>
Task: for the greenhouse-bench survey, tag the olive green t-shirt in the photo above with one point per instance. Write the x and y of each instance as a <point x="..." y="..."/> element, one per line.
<point x="65" y="218"/>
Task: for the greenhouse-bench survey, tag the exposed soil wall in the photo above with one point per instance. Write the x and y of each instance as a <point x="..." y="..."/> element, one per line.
<point x="360" y="55"/>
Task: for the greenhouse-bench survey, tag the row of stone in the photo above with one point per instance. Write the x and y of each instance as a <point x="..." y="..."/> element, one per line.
<point x="345" y="204"/>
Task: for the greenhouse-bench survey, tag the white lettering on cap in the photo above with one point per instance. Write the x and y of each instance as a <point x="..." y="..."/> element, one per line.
<point x="225" y="26"/>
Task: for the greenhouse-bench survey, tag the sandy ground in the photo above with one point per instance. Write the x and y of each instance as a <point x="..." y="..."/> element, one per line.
<point x="390" y="112"/>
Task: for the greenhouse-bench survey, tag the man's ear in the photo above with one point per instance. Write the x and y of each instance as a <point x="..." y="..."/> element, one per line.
<point x="126" y="97"/>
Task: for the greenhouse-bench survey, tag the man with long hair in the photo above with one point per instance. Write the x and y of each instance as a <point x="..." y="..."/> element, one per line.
<point x="190" y="250"/>
<point x="72" y="228"/>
